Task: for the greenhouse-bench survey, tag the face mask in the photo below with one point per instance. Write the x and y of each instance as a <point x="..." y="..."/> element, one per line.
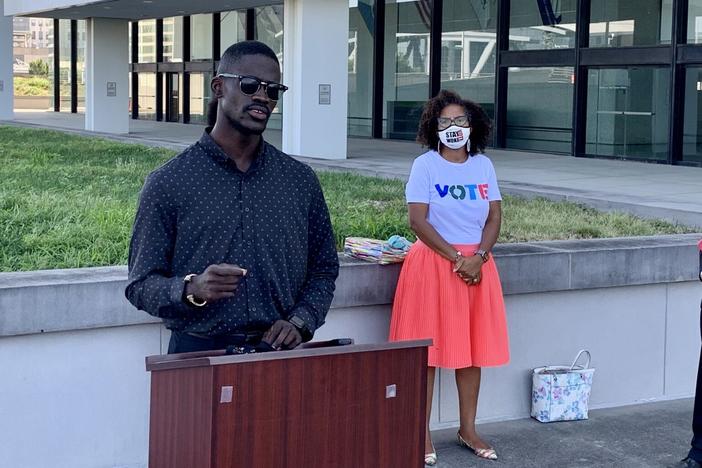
<point x="455" y="137"/>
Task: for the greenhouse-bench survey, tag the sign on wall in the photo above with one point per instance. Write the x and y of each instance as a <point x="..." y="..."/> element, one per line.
<point x="325" y="94"/>
<point x="111" y="88"/>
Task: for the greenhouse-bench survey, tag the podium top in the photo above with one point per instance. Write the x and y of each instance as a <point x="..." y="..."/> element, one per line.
<point x="218" y="357"/>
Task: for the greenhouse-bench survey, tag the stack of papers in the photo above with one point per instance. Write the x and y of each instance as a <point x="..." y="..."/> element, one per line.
<point x="377" y="251"/>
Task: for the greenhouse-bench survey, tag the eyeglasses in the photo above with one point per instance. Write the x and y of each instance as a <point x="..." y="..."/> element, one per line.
<point x="250" y="85"/>
<point x="445" y="122"/>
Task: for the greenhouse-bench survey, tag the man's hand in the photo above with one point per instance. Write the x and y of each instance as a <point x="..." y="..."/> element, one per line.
<point x="216" y="282"/>
<point x="282" y="335"/>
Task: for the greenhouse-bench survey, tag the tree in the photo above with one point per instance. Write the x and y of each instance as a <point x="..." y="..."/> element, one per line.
<point x="39" y="67"/>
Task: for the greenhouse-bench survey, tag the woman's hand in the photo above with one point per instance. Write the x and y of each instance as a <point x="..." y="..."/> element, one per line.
<point x="469" y="269"/>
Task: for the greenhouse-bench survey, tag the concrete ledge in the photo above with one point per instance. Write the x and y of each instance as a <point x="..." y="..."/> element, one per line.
<point x="60" y="300"/>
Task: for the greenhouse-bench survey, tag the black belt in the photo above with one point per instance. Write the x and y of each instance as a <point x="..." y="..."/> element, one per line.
<point x="233" y="337"/>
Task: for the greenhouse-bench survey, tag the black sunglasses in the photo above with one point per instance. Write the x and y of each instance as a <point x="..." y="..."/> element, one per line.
<point x="250" y="85"/>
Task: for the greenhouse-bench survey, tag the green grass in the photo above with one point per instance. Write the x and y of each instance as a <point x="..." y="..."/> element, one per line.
<point x="32" y="86"/>
<point x="68" y="201"/>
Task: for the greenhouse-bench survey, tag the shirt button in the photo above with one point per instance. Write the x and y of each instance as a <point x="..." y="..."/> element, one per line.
<point x="253" y="309"/>
<point x="246" y="209"/>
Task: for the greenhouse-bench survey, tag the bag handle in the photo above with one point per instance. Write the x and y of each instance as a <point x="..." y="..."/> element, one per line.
<point x="577" y="358"/>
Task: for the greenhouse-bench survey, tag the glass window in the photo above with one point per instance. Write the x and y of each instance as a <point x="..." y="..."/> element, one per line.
<point x="232" y="28"/>
<point x="623" y="23"/>
<point x="269" y="30"/>
<point x="173" y="39"/>
<point x="80" y="64"/>
<point x="147" y="96"/>
<point x="540" y="109"/>
<point x="32" y="66"/>
<point x="692" y="129"/>
<point x="199" y="96"/>
<point x="406" y="66"/>
<point x="694" y="22"/>
<point x="361" y="37"/>
<point x="65" y="64"/>
<point x="147" y="41"/>
<point x="468" y="51"/>
<point x="627" y="112"/>
<point x="171" y="96"/>
<point x="129" y="42"/>
<point x="542" y="24"/>
<point x="201" y="37"/>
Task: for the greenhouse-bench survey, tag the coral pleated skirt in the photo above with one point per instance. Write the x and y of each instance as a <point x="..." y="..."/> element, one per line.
<point x="466" y="322"/>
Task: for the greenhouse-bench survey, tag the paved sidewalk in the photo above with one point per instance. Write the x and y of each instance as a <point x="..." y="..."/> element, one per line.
<point x="641" y="436"/>
<point x="649" y="190"/>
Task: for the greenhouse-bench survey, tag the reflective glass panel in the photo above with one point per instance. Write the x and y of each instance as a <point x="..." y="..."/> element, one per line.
<point x="147" y="41"/>
<point x="269" y="30"/>
<point x="406" y="66"/>
<point x="232" y="28"/>
<point x="200" y="93"/>
<point x="201" y="37"/>
<point x="32" y="63"/>
<point x="468" y="43"/>
<point x="173" y="39"/>
<point x="542" y="24"/>
<point x="540" y="109"/>
<point x="65" y="64"/>
<point x="147" y="96"/>
<point x="361" y="34"/>
<point x="694" y="22"/>
<point x="692" y="130"/>
<point x="627" y="23"/>
<point x="627" y="112"/>
<point x="80" y="64"/>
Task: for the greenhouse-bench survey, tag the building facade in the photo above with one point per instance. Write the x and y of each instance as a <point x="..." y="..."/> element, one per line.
<point x="591" y="78"/>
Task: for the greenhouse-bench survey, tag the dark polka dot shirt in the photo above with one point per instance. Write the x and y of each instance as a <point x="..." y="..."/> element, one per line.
<point x="199" y="209"/>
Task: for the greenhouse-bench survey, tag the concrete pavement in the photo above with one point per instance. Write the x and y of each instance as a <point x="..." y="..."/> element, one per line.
<point x="642" y="436"/>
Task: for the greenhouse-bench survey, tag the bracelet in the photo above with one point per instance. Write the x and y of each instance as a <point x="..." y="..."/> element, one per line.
<point x="191" y="297"/>
<point x="457" y="256"/>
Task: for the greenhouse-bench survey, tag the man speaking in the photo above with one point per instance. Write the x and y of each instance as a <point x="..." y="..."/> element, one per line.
<point x="232" y="243"/>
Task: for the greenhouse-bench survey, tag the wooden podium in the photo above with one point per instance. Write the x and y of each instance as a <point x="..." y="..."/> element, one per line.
<point x="328" y="407"/>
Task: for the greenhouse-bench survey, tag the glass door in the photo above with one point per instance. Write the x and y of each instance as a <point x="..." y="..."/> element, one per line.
<point x="172" y="97"/>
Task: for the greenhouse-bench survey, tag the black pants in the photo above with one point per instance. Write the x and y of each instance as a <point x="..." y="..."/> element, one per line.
<point x="183" y="342"/>
<point x="696" y="451"/>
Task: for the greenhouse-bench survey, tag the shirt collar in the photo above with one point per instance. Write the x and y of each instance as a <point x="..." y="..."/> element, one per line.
<point x="215" y="152"/>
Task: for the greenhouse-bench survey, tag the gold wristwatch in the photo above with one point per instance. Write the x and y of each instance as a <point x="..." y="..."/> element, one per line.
<point x="191" y="297"/>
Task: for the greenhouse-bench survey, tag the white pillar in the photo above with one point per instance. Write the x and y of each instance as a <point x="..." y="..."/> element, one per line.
<point x="315" y="53"/>
<point x="107" y="69"/>
<point x="6" y="87"/>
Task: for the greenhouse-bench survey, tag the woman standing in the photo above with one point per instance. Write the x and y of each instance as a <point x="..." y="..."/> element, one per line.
<point x="449" y="289"/>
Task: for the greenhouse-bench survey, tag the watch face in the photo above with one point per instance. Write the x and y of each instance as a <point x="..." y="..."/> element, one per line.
<point x="297" y="321"/>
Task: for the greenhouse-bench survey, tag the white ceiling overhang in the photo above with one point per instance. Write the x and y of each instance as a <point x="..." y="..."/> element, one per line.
<point x="124" y="9"/>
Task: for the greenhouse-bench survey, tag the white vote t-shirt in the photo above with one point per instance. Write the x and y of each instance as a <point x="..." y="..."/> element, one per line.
<point x="458" y="194"/>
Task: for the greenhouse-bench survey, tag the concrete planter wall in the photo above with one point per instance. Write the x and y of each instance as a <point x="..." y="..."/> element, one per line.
<point x="33" y="102"/>
<point x="72" y="348"/>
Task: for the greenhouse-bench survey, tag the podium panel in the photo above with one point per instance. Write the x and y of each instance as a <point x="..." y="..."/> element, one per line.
<point x="350" y="406"/>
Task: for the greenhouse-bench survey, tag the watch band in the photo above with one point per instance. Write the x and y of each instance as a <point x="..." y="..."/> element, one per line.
<point x="484" y="254"/>
<point x="301" y="326"/>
